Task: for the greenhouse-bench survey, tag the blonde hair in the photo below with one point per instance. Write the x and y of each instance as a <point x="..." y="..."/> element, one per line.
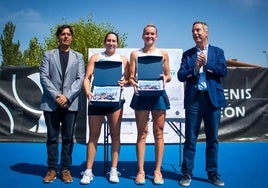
<point x="150" y="25"/>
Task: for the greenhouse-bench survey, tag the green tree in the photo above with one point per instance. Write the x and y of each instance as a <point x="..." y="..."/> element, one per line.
<point x="10" y="51"/>
<point x="33" y="55"/>
<point x="87" y="34"/>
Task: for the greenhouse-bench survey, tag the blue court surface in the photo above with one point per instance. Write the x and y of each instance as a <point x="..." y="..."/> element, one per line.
<point x="241" y="165"/>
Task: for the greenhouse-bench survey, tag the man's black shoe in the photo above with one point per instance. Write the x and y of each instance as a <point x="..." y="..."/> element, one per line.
<point x="215" y="179"/>
<point x="185" y="180"/>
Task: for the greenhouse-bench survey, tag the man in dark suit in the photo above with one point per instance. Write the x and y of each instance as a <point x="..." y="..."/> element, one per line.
<point x="61" y="74"/>
<point x="202" y="68"/>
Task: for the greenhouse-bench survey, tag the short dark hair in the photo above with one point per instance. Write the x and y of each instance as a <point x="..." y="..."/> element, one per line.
<point x="111" y="32"/>
<point x="62" y="27"/>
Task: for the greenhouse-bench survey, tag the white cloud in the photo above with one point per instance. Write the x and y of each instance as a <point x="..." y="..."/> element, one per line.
<point x="29" y="23"/>
<point x="22" y="16"/>
<point x="26" y="19"/>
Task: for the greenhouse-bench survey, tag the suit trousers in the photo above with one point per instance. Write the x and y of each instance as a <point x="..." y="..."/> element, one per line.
<point x="60" y="121"/>
<point x="201" y="109"/>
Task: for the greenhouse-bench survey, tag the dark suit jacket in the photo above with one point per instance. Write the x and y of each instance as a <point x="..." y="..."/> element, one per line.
<point x="215" y="69"/>
<point x="51" y="79"/>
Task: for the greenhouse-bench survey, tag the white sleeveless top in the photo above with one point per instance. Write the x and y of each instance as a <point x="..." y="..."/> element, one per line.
<point x="157" y="52"/>
<point x="115" y="57"/>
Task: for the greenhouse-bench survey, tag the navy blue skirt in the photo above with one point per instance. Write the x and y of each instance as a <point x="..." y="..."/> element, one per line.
<point x="150" y="102"/>
<point x="104" y="110"/>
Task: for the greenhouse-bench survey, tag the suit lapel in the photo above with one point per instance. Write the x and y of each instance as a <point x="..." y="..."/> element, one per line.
<point x="70" y="60"/>
<point x="56" y="57"/>
<point x="194" y="55"/>
<point x="210" y="53"/>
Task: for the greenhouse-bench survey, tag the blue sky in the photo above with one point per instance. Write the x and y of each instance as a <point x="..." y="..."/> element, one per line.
<point x="239" y="27"/>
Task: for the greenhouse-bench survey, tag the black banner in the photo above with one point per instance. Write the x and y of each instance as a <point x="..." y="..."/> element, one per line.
<point x="246" y="116"/>
<point x="20" y="116"/>
<point x="21" y="120"/>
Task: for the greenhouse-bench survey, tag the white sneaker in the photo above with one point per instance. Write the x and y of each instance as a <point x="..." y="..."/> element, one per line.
<point x="87" y="177"/>
<point x="114" y="176"/>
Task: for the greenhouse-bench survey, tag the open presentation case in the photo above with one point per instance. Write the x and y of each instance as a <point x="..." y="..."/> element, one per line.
<point x="106" y="91"/>
<point x="149" y="81"/>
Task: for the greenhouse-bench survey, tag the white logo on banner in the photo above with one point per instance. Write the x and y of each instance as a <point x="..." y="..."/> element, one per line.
<point x="41" y="126"/>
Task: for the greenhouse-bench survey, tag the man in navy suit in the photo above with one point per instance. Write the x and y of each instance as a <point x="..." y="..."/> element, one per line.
<point x="61" y="74"/>
<point x="202" y="68"/>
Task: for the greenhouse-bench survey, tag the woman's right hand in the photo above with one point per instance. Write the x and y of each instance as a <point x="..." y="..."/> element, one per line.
<point x="89" y="96"/>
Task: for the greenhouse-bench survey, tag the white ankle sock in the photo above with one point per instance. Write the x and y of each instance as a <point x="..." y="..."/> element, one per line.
<point x="113" y="169"/>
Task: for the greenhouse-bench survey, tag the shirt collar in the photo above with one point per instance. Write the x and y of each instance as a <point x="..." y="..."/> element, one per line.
<point x="205" y="49"/>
